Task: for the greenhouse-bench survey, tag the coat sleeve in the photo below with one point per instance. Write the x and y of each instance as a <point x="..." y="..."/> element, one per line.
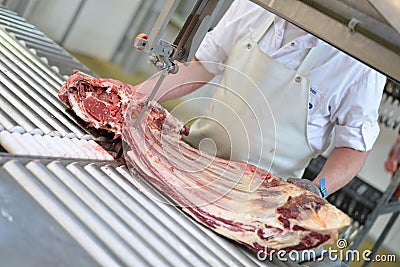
<point x="357" y="117"/>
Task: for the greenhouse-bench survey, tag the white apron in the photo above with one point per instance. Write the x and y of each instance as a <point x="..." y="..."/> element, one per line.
<point x="259" y="112"/>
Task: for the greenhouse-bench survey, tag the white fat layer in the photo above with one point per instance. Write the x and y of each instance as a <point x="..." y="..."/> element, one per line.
<point x="76" y="108"/>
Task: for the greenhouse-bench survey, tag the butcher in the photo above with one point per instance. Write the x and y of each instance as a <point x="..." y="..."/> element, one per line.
<point x="283" y="97"/>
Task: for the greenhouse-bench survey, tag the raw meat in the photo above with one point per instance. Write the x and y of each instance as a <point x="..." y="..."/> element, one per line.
<point x="99" y="102"/>
<point x="235" y="199"/>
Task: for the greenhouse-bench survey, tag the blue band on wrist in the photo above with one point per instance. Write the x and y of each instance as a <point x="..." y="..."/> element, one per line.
<point x="324" y="192"/>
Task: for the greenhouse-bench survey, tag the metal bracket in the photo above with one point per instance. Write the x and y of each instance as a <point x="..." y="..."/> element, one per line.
<point x="352" y="24"/>
<point x="165" y="55"/>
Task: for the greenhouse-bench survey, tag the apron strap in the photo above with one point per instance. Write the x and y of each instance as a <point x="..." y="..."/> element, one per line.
<point x="311" y="59"/>
<point x="262" y="30"/>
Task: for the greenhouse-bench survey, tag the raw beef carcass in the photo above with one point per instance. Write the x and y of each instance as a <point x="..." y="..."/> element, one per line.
<point x="99" y="102"/>
<point x="235" y="199"/>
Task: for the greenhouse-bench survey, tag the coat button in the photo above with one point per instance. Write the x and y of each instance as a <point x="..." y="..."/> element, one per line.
<point x="298" y="79"/>
<point x="249" y="46"/>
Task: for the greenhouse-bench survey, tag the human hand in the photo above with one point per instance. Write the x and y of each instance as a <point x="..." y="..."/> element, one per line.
<point x="392" y="162"/>
<point x="305" y="184"/>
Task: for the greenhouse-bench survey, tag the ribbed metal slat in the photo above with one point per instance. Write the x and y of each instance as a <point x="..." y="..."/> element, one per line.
<point x="13" y="31"/>
<point x="164" y="229"/>
<point x="52" y="53"/>
<point x="33" y="38"/>
<point x="12" y="47"/>
<point x="48" y="43"/>
<point x="32" y="61"/>
<point x="21" y="77"/>
<point x="15" y="19"/>
<point x="40" y="94"/>
<point x="11" y="14"/>
<point x="208" y="247"/>
<point x="36" y="144"/>
<point x="16" y="24"/>
<point x="126" y="225"/>
<point x="60" y="214"/>
<point x="17" y="110"/>
<point x="31" y="100"/>
<point x="114" y="243"/>
<point x="117" y="224"/>
<point x="28" y="107"/>
<point x="16" y="32"/>
<point x="11" y="117"/>
<point x="10" y="65"/>
<point x="61" y="60"/>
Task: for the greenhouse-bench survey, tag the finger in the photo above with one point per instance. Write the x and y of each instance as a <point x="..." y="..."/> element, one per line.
<point x="295" y="181"/>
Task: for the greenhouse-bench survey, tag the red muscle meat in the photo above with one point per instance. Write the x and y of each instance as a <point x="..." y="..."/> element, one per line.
<point x="100" y="102"/>
<point x="235" y="199"/>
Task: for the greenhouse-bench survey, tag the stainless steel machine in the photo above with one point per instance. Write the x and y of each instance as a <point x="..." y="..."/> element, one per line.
<point x="66" y="211"/>
<point x="69" y="211"/>
<point x="368" y="30"/>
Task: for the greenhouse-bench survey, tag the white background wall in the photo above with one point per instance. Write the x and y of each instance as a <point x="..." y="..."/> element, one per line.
<point x="100" y="27"/>
<point x="97" y="30"/>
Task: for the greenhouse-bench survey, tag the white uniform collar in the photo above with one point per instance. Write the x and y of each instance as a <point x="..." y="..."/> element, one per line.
<point x="305" y="41"/>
